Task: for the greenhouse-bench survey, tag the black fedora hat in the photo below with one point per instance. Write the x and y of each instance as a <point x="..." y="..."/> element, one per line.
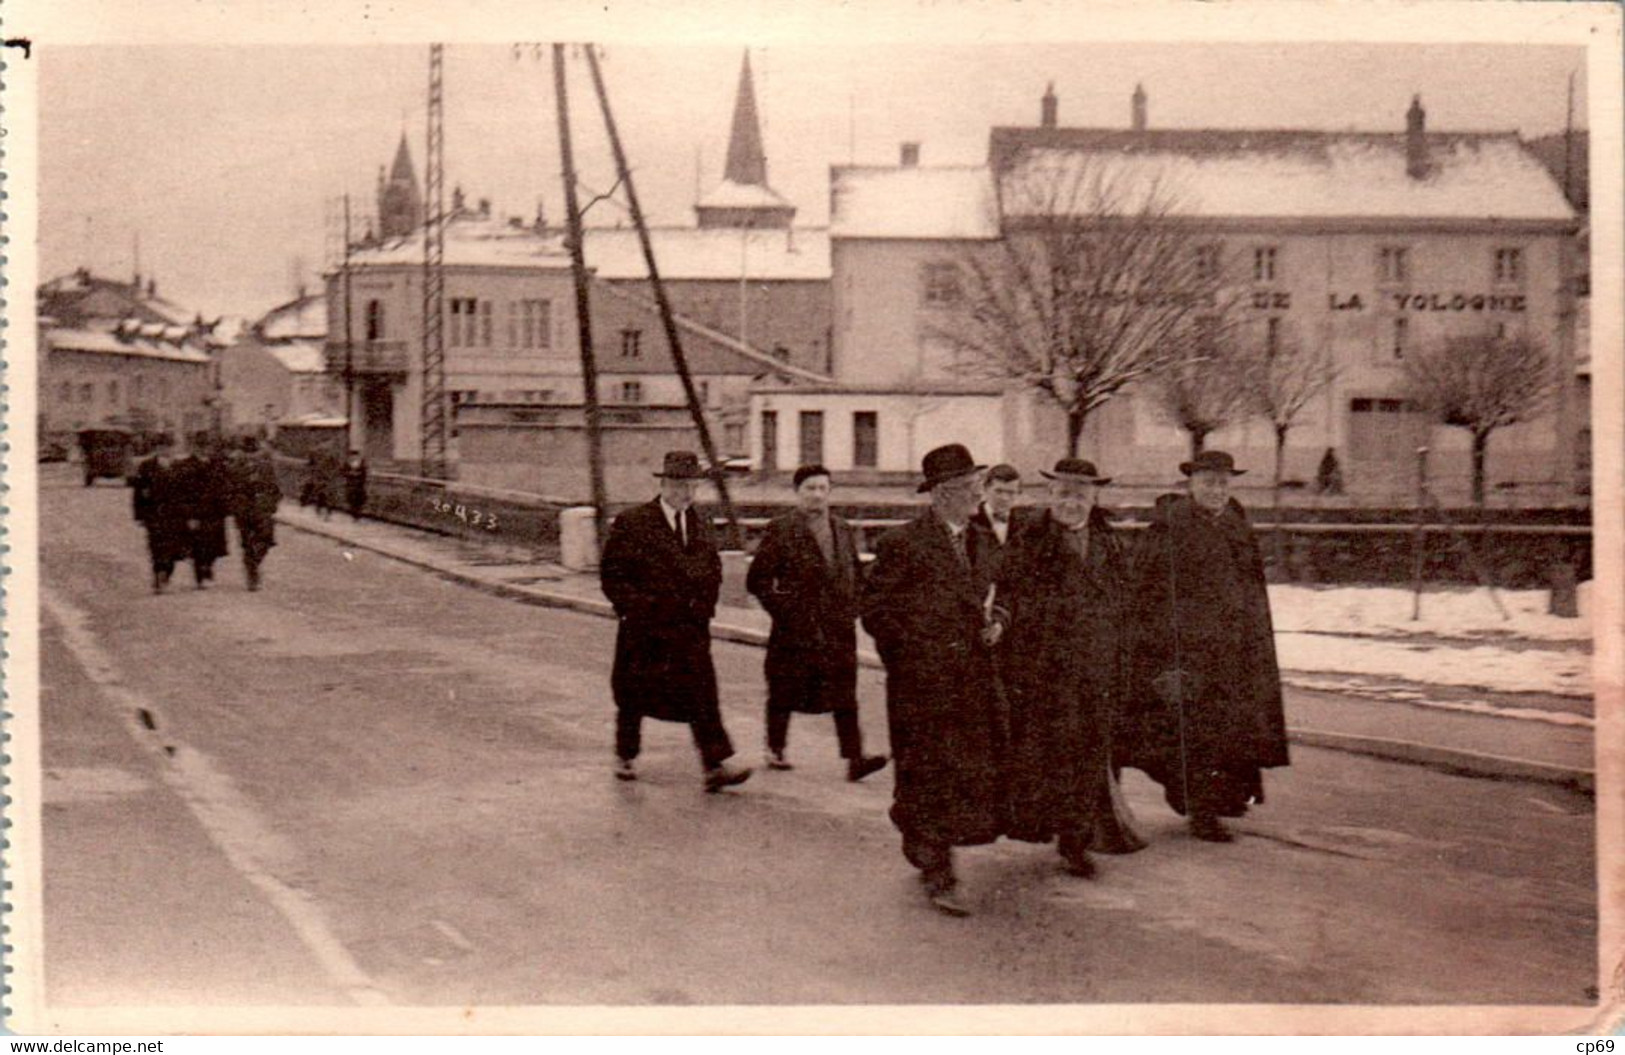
<point x="1213" y="462"/>
<point x="945" y="463"/>
<point x="682" y="465"/>
<point x="1076" y="469"/>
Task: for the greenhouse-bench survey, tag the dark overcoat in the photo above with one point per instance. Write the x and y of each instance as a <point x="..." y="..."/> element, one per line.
<point x="1201" y="607"/>
<point x="355" y="485"/>
<point x="255" y="495"/>
<point x="812" y="652"/>
<point x="163" y="504"/>
<point x="664" y="596"/>
<point x="210" y="483"/>
<point x="1062" y="659"/>
<point x="924" y="606"/>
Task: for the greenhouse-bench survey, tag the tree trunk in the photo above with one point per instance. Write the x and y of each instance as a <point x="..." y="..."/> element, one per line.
<point x="1074" y="430"/>
<point x="1275" y="499"/>
<point x="1198" y="441"/>
<point x="1481" y="444"/>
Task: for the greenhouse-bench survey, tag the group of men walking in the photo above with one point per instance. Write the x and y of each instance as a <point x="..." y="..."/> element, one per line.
<point x="1029" y="655"/>
<point x="182" y="499"/>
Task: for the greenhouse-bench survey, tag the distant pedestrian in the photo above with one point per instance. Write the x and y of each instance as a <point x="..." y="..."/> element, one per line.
<point x="321" y="480"/>
<point x="205" y="470"/>
<point x="925" y="604"/>
<point x="163" y="506"/>
<point x="1329" y="477"/>
<point x="806" y="574"/>
<point x="662" y="572"/>
<point x="1062" y="595"/>
<point x="255" y="495"/>
<point x="355" y="484"/>
<point x="1206" y="686"/>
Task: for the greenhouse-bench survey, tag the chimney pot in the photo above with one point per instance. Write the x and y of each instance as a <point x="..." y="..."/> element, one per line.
<point x="1138" y="118"/>
<point x="1416" y="144"/>
<point x="485" y="206"/>
<point x="1048" y="107"/>
<point x="910" y="155"/>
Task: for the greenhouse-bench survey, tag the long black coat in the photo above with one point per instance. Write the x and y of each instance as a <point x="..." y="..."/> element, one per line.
<point x="924" y="608"/>
<point x="163" y="499"/>
<point x="210" y="482"/>
<point x="664" y="596"/>
<point x="1201" y="607"/>
<point x="255" y="494"/>
<point x="812" y="652"/>
<point x="1062" y="665"/>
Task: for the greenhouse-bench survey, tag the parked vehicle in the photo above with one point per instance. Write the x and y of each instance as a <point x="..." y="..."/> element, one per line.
<point x="107" y="452"/>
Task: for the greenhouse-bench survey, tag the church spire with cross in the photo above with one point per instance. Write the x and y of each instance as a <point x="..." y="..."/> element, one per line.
<point x="744" y="199"/>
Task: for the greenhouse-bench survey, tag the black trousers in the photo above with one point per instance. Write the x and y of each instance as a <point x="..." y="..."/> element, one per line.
<point x="710" y="738"/>
<point x="847" y="732"/>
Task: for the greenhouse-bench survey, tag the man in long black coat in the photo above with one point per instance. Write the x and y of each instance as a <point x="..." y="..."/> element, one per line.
<point x="210" y="484"/>
<point x="163" y="505"/>
<point x="1205" y="679"/>
<point x="255" y="495"/>
<point x="1062" y="596"/>
<point x="925" y="603"/>
<point x="805" y="574"/>
<point x="662" y="572"/>
<point x="997" y="514"/>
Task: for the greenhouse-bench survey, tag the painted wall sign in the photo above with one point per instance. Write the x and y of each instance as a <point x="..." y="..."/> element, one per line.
<point x="1508" y="302"/>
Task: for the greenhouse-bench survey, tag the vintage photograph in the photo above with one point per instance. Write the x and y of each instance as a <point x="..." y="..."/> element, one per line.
<point x="1124" y="518"/>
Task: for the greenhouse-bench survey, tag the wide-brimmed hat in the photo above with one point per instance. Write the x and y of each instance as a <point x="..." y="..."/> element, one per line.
<point x="1076" y="469"/>
<point x="681" y="465"/>
<point x="945" y="463"/>
<point x="1211" y="462"/>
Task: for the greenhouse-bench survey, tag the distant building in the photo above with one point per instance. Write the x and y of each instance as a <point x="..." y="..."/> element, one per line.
<point x="1370" y="243"/>
<point x="276" y="371"/>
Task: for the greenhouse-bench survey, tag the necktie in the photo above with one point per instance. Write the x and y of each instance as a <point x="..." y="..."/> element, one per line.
<point x="682" y="531"/>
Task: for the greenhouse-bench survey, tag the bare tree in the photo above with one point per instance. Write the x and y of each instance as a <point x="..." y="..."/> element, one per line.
<point x="1095" y="283"/>
<point x="1481" y="382"/>
<point x="1209" y="390"/>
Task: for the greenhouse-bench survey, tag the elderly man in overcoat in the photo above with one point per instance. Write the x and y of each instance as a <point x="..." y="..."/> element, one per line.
<point x="1205" y="678"/>
<point x="662" y="572"/>
<point x="925" y="601"/>
<point x="805" y="574"/>
<point x="255" y="495"/>
<point x="208" y="479"/>
<point x="163" y="506"/>
<point x="1061" y="597"/>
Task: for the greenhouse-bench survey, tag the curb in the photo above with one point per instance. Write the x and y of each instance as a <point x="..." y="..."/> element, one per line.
<point x="1441" y="759"/>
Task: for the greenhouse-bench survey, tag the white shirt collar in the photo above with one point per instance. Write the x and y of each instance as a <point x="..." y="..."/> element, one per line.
<point x="671" y="514"/>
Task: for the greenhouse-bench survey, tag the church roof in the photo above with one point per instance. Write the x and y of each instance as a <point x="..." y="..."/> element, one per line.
<point x="747" y="159"/>
<point x="402" y="168"/>
<point x="731" y="195"/>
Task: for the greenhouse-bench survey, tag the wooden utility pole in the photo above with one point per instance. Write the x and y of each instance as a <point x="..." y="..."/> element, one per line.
<point x="352" y="440"/>
<point x="735" y="536"/>
<point x="578" y="269"/>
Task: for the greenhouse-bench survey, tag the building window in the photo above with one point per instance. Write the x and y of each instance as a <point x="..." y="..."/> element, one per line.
<point x="1393" y="264"/>
<point x="631" y="344"/>
<point x="1508" y="266"/>
<point x="1207" y="260"/>
<point x="631" y="391"/>
<point x="770" y="440"/>
<point x="733" y="436"/>
<point x="485" y="324"/>
<point x="112" y="393"/>
<point x="812" y="437"/>
<point x="704" y="392"/>
<point x="940" y="284"/>
<point x="865" y="439"/>
<point x="461" y="330"/>
<point x="1402" y="331"/>
<point x="1272" y="336"/>
<point x="1264" y="263"/>
<point x="535" y="325"/>
<point x="375" y="320"/>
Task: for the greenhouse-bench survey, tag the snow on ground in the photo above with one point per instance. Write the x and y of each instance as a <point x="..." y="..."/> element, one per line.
<point x="1548" y="671"/>
<point x="1467" y="612"/>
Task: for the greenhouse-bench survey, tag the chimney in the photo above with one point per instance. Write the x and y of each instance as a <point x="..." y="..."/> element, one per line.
<point x="1138" y="118"/>
<point x="1416" y="144"/>
<point x="910" y="155"/>
<point x="152" y="288"/>
<point x="1047" y="107"/>
<point x="457" y="200"/>
<point x="485" y="208"/>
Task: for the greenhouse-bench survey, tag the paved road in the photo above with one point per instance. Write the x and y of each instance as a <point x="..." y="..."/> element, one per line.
<point x="369" y="785"/>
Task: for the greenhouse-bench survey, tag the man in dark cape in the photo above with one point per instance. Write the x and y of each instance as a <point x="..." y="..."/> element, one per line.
<point x="1061" y="600"/>
<point x="163" y="505"/>
<point x="925" y="604"/>
<point x="1205" y="681"/>
<point x="805" y="574"/>
<point x="662" y="572"/>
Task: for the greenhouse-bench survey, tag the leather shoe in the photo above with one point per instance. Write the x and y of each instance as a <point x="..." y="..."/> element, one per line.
<point x="858" y="768"/>
<point x="1211" y="830"/>
<point x="624" y="770"/>
<point x="1080" y="864"/>
<point x="776" y="760"/>
<point x="724" y="776"/>
<point x="947" y="901"/>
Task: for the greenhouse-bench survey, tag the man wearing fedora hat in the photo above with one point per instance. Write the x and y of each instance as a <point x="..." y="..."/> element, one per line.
<point x="662" y="572"/>
<point x="924" y="602"/>
<point x="1061" y="598"/>
<point x="1207" y="688"/>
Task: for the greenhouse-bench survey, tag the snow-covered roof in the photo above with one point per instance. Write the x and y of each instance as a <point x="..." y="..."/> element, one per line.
<point x="784" y="254"/>
<point x="1288" y="175"/>
<point x="474" y="242"/>
<point x="912" y="202"/>
<point x="302" y="317"/>
<point x="137" y="344"/>
<point x="300" y="357"/>
<point x="732" y="195"/>
<point x="315" y="420"/>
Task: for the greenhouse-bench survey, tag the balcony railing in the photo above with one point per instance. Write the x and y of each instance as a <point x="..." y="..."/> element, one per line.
<point x="369" y="357"/>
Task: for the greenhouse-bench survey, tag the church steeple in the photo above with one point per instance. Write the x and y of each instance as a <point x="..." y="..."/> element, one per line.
<point x="400" y="207"/>
<point x="744" y="199"/>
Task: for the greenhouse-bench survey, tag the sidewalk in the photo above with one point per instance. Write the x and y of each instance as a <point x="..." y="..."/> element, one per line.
<point x="1466" y="740"/>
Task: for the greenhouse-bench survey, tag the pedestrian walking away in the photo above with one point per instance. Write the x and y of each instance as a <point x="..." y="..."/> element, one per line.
<point x="1205" y="687"/>
<point x="355" y="484"/>
<point x="925" y="603"/>
<point x="1061" y="598"/>
<point x="163" y="504"/>
<point x="206" y="477"/>
<point x="254" y="499"/>
<point x="805" y="574"/>
<point x="663" y="574"/>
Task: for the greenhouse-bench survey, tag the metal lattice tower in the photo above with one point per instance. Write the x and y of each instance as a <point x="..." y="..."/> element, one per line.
<point x="433" y="418"/>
